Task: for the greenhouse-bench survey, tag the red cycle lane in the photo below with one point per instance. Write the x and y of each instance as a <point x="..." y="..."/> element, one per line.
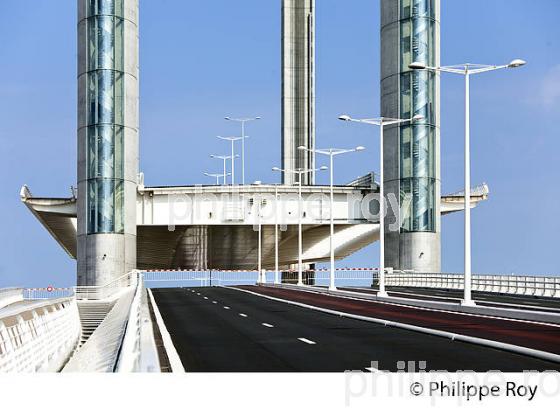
<point x="527" y="334"/>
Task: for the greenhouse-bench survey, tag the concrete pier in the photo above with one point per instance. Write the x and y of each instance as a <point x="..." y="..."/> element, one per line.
<point x="107" y="139"/>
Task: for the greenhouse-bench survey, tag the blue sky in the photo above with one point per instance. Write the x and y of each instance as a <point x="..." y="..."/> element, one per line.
<point x="202" y="60"/>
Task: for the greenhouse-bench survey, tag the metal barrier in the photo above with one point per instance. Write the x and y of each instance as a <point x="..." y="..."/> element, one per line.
<point x="358" y="277"/>
<point x="47" y="293"/>
<point x="10" y="295"/>
<point x="201" y="277"/>
<point x="40" y="339"/>
<point x="544" y="286"/>
<point x="111" y="289"/>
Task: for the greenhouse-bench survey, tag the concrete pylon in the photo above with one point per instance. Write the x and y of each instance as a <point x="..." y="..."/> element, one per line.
<point x="107" y="139"/>
<point x="298" y="88"/>
<point x="410" y="32"/>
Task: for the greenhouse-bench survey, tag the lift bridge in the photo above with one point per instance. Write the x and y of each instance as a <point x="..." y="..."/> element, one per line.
<point x="130" y="326"/>
<point x="199" y="301"/>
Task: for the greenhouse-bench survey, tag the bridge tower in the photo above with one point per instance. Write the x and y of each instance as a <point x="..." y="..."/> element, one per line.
<point x="298" y="88"/>
<point x="107" y="139"/>
<point x="410" y="31"/>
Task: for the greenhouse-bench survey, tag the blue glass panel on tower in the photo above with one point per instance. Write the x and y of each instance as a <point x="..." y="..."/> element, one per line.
<point x="106" y="105"/>
<point x="417" y="170"/>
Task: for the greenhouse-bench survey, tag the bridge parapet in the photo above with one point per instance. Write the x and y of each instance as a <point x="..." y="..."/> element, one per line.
<point x="39" y="337"/>
<point x="10" y="295"/>
<point x="543" y="286"/>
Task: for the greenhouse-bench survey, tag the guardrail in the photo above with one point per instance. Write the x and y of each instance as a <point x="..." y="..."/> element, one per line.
<point x="544" y="286"/>
<point x="108" y="290"/>
<point x="362" y="277"/>
<point x="202" y="277"/>
<point x="47" y="293"/>
<point x="10" y="295"/>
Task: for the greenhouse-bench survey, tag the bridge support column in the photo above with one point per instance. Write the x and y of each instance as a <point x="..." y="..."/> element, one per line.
<point x="107" y="139"/>
<point x="410" y="32"/>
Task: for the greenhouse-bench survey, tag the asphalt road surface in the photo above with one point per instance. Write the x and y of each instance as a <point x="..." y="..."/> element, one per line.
<point x="226" y="330"/>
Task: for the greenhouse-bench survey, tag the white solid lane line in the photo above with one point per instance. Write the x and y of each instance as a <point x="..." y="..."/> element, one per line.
<point x="242" y="315"/>
<point x="304" y="340"/>
<point x="267" y="325"/>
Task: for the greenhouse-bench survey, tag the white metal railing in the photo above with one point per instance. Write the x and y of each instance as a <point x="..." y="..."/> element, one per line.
<point x="40" y="339"/>
<point x="47" y="293"/>
<point x="544" y="286"/>
<point x="10" y="295"/>
<point x="83" y="292"/>
<point x="344" y="277"/>
<point x="201" y="277"/>
<point x="108" y="290"/>
<point x="360" y="277"/>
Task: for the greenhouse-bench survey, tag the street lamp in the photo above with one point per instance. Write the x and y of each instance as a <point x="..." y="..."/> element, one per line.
<point x="232" y="140"/>
<point x="223" y="158"/>
<point x="467" y="70"/>
<point x="242" y="121"/>
<point x="217" y="176"/>
<point x="299" y="172"/>
<point x="276" y="212"/>
<point x="381" y="122"/>
<point x="331" y="152"/>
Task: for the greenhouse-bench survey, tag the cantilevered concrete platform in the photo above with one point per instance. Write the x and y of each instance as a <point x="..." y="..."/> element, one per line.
<point x="217" y="227"/>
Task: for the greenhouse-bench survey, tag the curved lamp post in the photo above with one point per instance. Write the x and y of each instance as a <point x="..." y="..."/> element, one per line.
<point x="381" y="122"/>
<point x="242" y="121"/>
<point x="331" y="152"/>
<point x="467" y="70"/>
<point x="299" y="172"/>
<point x="232" y="140"/>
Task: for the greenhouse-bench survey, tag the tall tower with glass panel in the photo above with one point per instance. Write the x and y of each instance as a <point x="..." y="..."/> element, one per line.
<point x="410" y="31"/>
<point x="298" y="88"/>
<point x="107" y="139"/>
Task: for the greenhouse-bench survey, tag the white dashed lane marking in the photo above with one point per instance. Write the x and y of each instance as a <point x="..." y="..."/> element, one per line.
<point x="267" y="325"/>
<point x="242" y="315"/>
<point x="205" y="298"/>
<point x="226" y="307"/>
<point x="304" y="340"/>
<point x="214" y="302"/>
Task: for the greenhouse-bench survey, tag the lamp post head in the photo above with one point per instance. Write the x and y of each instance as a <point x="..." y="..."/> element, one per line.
<point x="417" y="66"/>
<point x="345" y="118"/>
<point x="227" y="118"/>
<point x="360" y="148"/>
<point x="418" y="117"/>
<point x="302" y="148"/>
<point x="276" y="169"/>
<point x="517" y="63"/>
<point x="323" y="168"/>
